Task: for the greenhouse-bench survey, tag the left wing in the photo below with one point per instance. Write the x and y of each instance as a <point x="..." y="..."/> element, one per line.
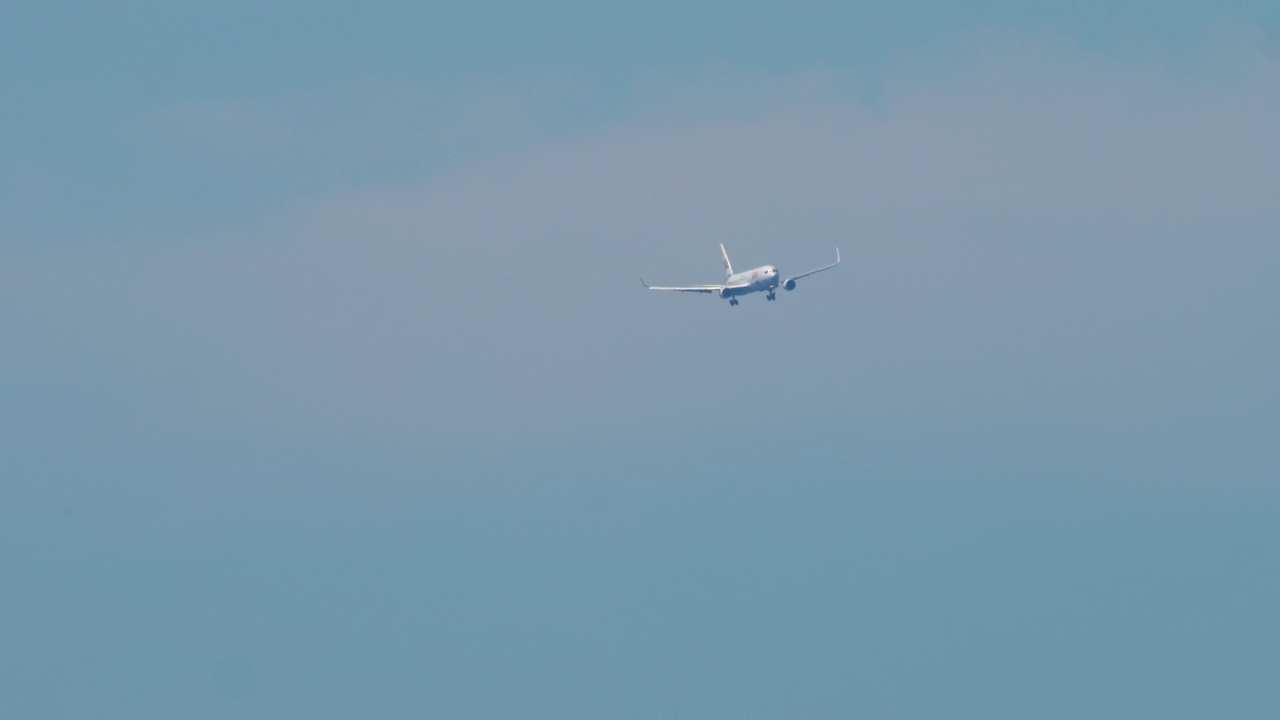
<point x="819" y="269"/>
<point x="790" y="282"/>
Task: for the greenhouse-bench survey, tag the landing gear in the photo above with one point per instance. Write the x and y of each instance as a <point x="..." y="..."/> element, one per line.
<point x="733" y="301"/>
<point x="770" y="296"/>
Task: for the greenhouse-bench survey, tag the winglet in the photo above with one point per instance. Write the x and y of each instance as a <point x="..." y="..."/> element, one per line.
<point x="645" y="284"/>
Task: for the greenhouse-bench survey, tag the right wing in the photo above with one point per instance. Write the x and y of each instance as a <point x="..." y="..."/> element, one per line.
<point x="689" y="288"/>
<point x="717" y="289"/>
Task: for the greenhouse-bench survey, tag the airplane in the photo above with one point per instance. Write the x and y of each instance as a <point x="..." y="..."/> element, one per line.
<point x="762" y="279"/>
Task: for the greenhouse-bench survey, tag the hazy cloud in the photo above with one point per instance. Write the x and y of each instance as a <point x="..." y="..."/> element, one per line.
<point x="1033" y="237"/>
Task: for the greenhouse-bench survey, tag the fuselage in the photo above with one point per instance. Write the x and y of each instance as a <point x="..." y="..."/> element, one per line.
<point x="761" y="279"/>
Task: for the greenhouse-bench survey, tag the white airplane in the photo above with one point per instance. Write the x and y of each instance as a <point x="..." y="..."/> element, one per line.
<point x="762" y="279"/>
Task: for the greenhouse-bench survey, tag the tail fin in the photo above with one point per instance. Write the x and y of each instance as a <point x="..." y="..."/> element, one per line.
<point x="728" y="268"/>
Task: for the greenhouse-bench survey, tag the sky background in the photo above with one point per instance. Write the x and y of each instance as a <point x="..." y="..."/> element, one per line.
<point x="328" y="387"/>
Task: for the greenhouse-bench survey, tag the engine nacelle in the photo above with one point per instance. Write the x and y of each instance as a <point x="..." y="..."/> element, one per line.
<point x="789" y="284"/>
<point x="724" y="293"/>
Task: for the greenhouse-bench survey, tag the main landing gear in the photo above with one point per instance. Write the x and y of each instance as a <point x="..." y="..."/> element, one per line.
<point x="770" y="296"/>
<point x="733" y="301"/>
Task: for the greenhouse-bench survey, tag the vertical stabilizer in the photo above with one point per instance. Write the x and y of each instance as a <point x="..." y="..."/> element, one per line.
<point x="728" y="268"/>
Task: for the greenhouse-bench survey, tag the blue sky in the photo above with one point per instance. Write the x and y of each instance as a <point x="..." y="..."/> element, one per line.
<point x="330" y="389"/>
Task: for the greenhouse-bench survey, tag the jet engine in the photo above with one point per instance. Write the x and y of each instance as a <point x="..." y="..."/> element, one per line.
<point x="789" y="284"/>
<point x="724" y="293"/>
